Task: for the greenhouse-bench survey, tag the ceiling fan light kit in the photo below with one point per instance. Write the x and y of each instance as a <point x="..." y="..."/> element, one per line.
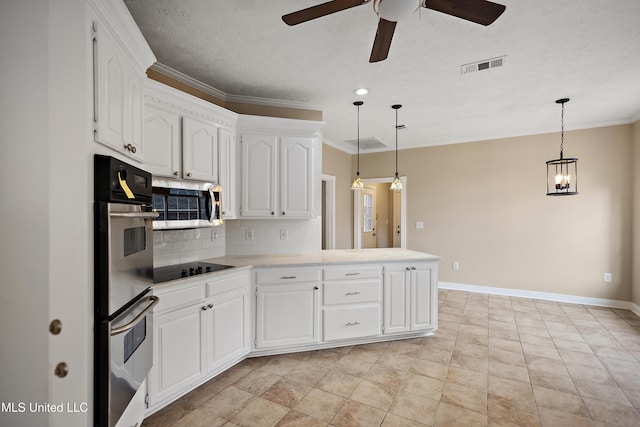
<point x="481" y="12"/>
<point x="562" y="173"/>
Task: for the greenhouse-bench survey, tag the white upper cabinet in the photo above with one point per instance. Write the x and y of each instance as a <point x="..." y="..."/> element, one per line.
<point x="162" y="133"/>
<point x="259" y="165"/>
<point x="120" y="59"/>
<point x="296" y="177"/>
<point x="188" y="138"/>
<point x="280" y="167"/>
<point x="200" y="150"/>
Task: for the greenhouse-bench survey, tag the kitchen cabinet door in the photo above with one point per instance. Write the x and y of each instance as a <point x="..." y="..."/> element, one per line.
<point x="162" y="141"/>
<point x="178" y="353"/>
<point x="424" y="294"/>
<point x="296" y="177"/>
<point x="227" y="329"/>
<point x="397" y="293"/>
<point x="287" y="315"/>
<point x="227" y="171"/>
<point x="199" y="151"/>
<point x="259" y="166"/>
<point x="118" y="97"/>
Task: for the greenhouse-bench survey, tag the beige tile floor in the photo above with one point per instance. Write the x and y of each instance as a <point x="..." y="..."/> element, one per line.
<point x="495" y="361"/>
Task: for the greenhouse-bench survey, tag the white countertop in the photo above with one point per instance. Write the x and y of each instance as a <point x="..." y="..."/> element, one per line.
<point x="336" y="256"/>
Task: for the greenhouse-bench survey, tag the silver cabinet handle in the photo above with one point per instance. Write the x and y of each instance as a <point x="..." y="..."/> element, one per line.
<point x="143" y="215"/>
<point x="124" y="328"/>
<point x="352" y="274"/>
<point x="353" y="293"/>
<point x="288" y="277"/>
<point x="352" y="323"/>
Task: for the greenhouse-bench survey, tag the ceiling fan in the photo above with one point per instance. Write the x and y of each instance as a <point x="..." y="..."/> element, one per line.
<point x="391" y="11"/>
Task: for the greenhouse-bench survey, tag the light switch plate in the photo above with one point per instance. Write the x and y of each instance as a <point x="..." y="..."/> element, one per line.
<point x="419" y="224"/>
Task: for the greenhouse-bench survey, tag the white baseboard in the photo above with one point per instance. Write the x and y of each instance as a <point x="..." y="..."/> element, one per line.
<point x="571" y="299"/>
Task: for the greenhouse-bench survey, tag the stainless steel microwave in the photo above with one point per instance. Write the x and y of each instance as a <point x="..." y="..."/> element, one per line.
<point x="186" y="204"/>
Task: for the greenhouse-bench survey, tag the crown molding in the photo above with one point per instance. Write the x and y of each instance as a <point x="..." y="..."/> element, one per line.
<point x="241" y="99"/>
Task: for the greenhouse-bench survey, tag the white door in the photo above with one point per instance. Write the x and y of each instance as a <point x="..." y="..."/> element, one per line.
<point x="258" y="182"/>
<point x="200" y="151"/>
<point x="396" y="300"/>
<point x="369" y="218"/>
<point x="162" y="137"/>
<point x="296" y="177"/>
<point x="287" y="315"/>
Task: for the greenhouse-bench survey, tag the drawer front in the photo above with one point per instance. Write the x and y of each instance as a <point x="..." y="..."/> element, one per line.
<point x="353" y="272"/>
<point x="351" y="292"/>
<point x="227" y="284"/>
<point x="287" y="275"/>
<point x="346" y="323"/>
<point x="180" y="297"/>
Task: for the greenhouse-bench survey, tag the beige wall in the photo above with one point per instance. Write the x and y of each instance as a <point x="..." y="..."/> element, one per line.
<point x="636" y="214"/>
<point x="339" y="164"/>
<point x="484" y="205"/>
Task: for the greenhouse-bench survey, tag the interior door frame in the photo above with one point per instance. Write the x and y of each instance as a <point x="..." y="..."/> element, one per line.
<point x="357" y="211"/>
<point x="329" y="211"/>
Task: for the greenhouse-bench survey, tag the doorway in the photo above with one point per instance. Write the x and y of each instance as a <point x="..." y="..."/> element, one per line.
<point x="328" y="212"/>
<point x="379" y="215"/>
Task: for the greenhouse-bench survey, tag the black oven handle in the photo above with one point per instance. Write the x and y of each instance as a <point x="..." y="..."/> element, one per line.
<point x="124" y="328"/>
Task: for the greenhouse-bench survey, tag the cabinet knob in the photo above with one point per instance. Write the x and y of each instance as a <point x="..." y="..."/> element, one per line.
<point x="204" y="308"/>
<point x="210" y="305"/>
<point x="284" y="213"/>
<point x="408" y="268"/>
<point x="315" y="288"/>
<point x="133" y="148"/>
<point x="176" y="173"/>
<point x="189" y="174"/>
<point x="413" y="268"/>
<point x="273" y="213"/>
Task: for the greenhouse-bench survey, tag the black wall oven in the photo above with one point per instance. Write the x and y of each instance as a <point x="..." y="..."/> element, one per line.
<point x="123" y="275"/>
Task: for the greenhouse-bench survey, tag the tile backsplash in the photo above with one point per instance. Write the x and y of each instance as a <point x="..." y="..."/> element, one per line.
<point x="180" y="246"/>
<point x="237" y="237"/>
<point x="273" y="236"/>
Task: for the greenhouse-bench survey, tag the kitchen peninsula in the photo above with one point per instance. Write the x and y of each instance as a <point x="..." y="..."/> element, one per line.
<point x="274" y="304"/>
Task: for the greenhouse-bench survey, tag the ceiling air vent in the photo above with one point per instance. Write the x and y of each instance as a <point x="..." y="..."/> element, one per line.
<point x="366" y="143"/>
<point x="485" y="64"/>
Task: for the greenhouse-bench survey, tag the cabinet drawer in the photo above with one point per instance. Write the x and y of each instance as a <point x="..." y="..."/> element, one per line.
<point x="220" y="286"/>
<point x="349" y="292"/>
<point x="353" y="272"/>
<point x="344" y="323"/>
<point x="287" y="275"/>
<point x="180" y="297"/>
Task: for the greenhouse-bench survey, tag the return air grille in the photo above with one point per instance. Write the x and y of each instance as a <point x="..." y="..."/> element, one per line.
<point x="485" y="64"/>
<point x="366" y="143"/>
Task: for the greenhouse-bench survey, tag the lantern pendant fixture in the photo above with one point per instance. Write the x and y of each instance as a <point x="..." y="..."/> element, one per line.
<point x="357" y="181"/>
<point x="562" y="173"/>
<point x="396" y="184"/>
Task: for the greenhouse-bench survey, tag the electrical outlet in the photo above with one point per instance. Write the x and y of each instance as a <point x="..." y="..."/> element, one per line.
<point x="248" y="234"/>
<point x="284" y="234"/>
<point x="456" y="265"/>
<point x="419" y="225"/>
<point x="607" y="277"/>
<point x="215" y="235"/>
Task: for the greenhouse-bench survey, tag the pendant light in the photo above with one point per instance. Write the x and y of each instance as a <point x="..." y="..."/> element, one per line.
<point x="357" y="181"/>
<point x="562" y="173"/>
<point x="396" y="184"/>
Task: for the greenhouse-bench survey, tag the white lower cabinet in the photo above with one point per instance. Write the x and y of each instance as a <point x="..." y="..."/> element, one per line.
<point x="340" y="323"/>
<point x="287" y="307"/>
<point x="410" y="297"/>
<point x="200" y="329"/>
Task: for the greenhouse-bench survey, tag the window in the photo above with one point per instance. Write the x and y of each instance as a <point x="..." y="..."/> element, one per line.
<point x="367" y="205"/>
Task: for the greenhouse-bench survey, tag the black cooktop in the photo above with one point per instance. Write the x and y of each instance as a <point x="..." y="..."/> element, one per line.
<point x="177" y="271"/>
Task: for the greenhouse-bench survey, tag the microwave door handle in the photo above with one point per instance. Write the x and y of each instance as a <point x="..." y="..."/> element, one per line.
<point x="209" y="206"/>
<point x="124" y="328"/>
<point x="143" y="215"/>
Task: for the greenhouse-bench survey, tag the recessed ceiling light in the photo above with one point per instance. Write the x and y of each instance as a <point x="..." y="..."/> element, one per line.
<point x="361" y="91"/>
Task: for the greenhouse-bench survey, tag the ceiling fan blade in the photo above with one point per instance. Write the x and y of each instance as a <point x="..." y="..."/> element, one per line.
<point x="320" y="10"/>
<point x="479" y="11"/>
<point x="382" y="42"/>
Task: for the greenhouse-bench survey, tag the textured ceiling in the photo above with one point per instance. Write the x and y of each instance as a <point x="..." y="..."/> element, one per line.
<point x="587" y="50"/>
